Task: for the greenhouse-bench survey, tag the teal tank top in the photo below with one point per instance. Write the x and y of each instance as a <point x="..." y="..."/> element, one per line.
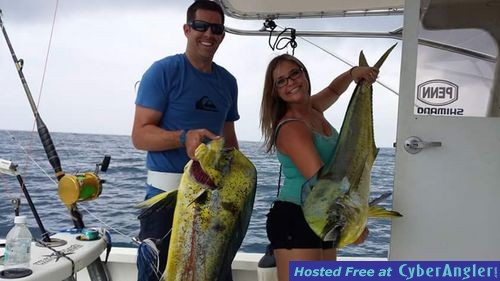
<point x="292" y="184"/>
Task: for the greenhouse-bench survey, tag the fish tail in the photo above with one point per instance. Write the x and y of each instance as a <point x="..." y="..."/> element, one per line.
<point x="381" y="212"/>
<point x="378" y="64"/>
<point x="384" y="56"/>
<point x="380" y="198"/>
<point x="166" y="198"/>
<point x="362" y="59"/>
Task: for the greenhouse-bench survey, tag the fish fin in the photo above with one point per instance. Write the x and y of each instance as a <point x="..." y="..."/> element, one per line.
<point x="380" y="199"/>
<point x="165" y="198"/>
<point x="333" y="235"/>
<point x="162" y="200"/>
<point x="380" y="61"/>
<point x="381" y="212"/>
<point x="362" y="59"/>
<point x="200" y="198"/>
<point x="308" y="186"/>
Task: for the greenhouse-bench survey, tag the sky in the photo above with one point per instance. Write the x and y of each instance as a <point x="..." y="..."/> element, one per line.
<point x="85" y="82"/>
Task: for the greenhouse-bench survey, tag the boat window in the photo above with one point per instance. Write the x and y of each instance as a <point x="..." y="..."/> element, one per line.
<point x="456" y="63"/>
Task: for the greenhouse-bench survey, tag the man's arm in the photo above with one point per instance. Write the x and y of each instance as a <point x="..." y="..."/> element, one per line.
<point x="230" y="135"/>
<point x="147" y="135"/>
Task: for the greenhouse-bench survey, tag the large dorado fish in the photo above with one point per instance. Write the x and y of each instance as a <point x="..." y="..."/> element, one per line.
<point x="335" y="200"/>
<point x="214" y="204"/>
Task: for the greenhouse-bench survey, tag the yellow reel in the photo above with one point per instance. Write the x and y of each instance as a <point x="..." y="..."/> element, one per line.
<point x="77" y="188"/>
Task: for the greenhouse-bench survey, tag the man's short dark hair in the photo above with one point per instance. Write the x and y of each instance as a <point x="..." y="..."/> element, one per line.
<point x="203" y="5"/>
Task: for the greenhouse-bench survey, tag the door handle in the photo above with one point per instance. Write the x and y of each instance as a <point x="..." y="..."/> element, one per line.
<point x="414" y="144"/>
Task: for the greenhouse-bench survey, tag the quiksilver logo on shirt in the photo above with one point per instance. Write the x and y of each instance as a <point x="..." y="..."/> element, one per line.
<point x="206" y="104"/>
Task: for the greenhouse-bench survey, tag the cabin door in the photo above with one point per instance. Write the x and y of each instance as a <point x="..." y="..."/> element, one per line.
<point x="447" y="177"/>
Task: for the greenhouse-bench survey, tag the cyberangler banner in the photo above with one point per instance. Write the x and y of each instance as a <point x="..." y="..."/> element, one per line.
<point x="394" y="270"/>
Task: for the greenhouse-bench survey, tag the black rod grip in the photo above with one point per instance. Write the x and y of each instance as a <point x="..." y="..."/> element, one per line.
<point x="105" y="163"/>
<point x="49" y="147"/>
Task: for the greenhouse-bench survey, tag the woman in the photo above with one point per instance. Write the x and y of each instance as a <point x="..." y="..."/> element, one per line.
<point x="293" y="124"/>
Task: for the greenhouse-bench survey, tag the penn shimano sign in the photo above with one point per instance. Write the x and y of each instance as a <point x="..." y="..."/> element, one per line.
<point x="438" y="94"/>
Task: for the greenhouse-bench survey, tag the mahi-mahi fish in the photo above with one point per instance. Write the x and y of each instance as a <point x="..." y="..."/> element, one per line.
<point x="336" y="200"/>
<point x="214" y="205"/>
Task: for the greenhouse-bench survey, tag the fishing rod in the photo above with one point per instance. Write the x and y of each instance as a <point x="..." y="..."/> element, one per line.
<point x="71" y="188"/>
<point x="9" y="168"/>
<point x="43" y="132"/>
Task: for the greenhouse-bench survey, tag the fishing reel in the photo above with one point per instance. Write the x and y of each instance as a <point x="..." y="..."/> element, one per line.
<point x="82" y="187"/>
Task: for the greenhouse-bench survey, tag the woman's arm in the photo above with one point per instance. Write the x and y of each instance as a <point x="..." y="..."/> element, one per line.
<point x="329" y="95"/>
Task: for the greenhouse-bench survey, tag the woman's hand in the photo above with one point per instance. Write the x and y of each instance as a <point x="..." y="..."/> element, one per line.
<point x="369" y="74"/>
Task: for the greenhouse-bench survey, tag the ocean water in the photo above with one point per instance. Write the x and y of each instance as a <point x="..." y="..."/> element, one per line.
<point x="124" y="187"/>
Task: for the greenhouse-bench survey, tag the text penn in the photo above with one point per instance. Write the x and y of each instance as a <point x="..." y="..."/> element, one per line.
<point x="437" y="92"/>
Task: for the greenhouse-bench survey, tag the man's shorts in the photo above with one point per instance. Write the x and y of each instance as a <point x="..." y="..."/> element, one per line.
<point x="155" y="223"/>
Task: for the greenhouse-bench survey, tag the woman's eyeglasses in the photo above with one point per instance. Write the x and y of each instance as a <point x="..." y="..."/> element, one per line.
<point x="294" y="74"/>
<point x="203" y="26"/>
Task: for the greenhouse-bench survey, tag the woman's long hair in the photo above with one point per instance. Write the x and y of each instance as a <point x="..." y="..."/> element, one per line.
<point x="273" y="108"/>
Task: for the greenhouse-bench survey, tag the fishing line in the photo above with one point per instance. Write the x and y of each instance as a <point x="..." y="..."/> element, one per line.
<point x="348" y="63"/>
<point x="71" y="188"/>
<point x="104" y="223"/>
<point x="42" y="82"/>
<point x="71" y="183"/>
<point x="28" y="155"/>
<point x="48" y="53"/>
<point x="55" y="182"/>
<point x="333" y="55"/>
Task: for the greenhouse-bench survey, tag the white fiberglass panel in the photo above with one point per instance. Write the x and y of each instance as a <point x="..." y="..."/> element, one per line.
<point x="300" y="8"/>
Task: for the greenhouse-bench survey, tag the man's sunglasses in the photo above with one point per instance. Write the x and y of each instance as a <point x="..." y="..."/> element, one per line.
<point x="203" y="26"/>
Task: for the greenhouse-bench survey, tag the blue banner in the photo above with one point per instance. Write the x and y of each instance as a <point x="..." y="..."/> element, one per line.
<point x="394" y="270"/>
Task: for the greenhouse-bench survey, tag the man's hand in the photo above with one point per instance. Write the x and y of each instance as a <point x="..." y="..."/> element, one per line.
<point x="194" y="138"/>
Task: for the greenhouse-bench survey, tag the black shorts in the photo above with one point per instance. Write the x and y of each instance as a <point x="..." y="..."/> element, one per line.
<point x="287" y="228"/>
<point x="156" y="223"/>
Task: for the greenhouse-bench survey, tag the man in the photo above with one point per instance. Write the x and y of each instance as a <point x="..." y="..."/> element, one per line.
<point x="182" y="100"/>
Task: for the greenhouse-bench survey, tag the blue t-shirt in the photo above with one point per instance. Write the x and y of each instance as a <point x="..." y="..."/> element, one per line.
<point x="189" y="99"/>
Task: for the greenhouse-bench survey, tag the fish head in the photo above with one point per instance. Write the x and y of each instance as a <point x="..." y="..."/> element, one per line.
<point x="213" y="161"/>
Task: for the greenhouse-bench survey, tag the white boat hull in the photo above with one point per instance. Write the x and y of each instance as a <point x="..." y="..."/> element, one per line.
<point x="121" y="266"/>
<point x="49" y="266"/>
